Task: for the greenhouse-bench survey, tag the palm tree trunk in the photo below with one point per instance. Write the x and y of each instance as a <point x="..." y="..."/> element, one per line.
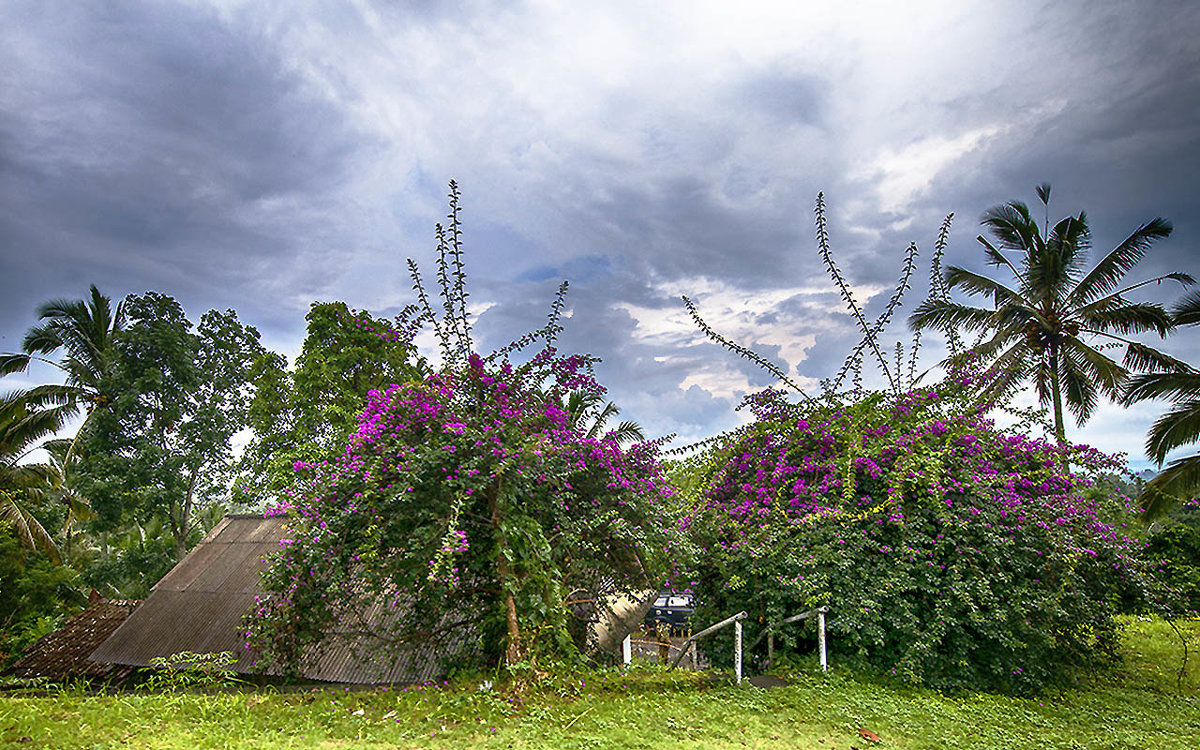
<point x="1060" y="431"/>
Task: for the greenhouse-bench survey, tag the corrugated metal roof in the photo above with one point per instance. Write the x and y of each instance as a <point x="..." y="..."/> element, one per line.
<point x="64" y="652"/>
<point x="200" y="605"/>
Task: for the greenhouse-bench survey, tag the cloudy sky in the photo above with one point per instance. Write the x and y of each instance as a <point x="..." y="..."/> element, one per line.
<point x="262" y="155"/>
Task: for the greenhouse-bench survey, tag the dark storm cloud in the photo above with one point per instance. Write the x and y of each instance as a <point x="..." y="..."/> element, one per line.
<point x="260" y="155"/>
<point x="150" y="146"/>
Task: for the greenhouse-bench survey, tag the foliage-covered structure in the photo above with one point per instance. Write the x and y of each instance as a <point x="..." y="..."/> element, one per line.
<point x="954" y="553"/>
<point x="467" y="502"/>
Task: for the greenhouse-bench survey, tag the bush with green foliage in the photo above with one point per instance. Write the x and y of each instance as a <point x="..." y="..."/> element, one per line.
<point x="1173" y="553"/>
<point x="35" y="595"/>
<point x="952" y="553"/>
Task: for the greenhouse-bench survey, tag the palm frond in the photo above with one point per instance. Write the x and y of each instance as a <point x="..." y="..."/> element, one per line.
<point x="1005" y="371"/>
<point x="29" y="531"/>
<point x="1128" y="318"/>
<point x="50" y="395"/>
<point x="1012" y="225"/>
<point x="1186" y="311"/>
<point x="974" y="283"/>
<point x="13" y="363"/>
<point x="1079" y="390"/>
<point x="1100" y="370"/>
<point x="994" y="257"/>
<point x="1067" y="247"/>
<point x="943" y="315"/>
<point x="1106" y="274"/>
<point x="627" y="431"/>
<point x="1174" y="385"/>
<point x="1142" y="358"/>
<point x="607" y="412"/>
<point x="1179" y="481"/>
<point x="22" y="424"/>
<point x="1178" y="427"/>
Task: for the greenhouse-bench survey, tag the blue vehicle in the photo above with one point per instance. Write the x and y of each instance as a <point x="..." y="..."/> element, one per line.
<point x="672" y="609"/>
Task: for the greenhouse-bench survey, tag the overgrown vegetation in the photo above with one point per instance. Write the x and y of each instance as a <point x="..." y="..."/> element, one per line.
<point x="486" y="500"/>
<point x="955" y="554"/>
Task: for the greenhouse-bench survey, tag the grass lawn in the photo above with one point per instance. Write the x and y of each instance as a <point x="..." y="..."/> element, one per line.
<point x="1137" y="704"/>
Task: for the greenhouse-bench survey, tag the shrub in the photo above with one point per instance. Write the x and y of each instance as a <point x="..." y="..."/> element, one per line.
<point x="1174" y="556"/>
<point x="469" y="493"/>
<point x="952" y="553"/>
<point x="35" y="596"/>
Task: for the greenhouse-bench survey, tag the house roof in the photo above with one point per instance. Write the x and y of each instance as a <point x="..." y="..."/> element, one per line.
<point x="64" y="652"/>
<point x="200" y="606"/>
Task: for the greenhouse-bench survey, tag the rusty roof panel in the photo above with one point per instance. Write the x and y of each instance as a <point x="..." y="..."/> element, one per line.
<point x="202" y="622"/>
<point x="232" y="558"/>
<point x="187" y="570"/>
<point x="64" y="652"/>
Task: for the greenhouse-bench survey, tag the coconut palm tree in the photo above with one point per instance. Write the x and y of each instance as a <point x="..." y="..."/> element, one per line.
<point x="76" y="507"/>
<point x="84" y="331"/>
<point x="1055" y="320"/>
<point x="588" y="414"/>
<point x="1178" y="427"/>
<point x="26" y="417"/>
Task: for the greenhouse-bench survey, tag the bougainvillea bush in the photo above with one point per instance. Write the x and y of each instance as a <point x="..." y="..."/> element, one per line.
<point x="951" y="552"/>
<point x="467" y="501"/>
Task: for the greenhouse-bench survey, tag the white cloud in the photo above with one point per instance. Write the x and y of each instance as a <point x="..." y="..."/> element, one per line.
<point x="903" y="175"/>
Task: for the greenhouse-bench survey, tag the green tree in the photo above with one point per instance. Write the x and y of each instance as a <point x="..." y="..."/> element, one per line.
<point x="1053" y="322"/>
<point x="1178" y="427"/>
<point x="137" y="556"/>
<point x="163" y="445"/>
<point x="306" y="415"/>
<point x="83" y="330"/>
<point x="25" y="420"/>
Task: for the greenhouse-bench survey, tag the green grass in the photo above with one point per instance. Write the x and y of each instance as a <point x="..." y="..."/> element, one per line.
<point x="1137" y="704"/>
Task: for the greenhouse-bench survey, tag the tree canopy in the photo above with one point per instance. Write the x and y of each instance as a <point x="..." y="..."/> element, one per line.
<point x="308" y="413"/>
<point x="179" y="393"/>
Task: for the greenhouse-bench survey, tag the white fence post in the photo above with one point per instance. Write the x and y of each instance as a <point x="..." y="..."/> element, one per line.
<point x="627" y="650"/>
<point x="737" y="650"/>
<point x="821" y="638"/>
